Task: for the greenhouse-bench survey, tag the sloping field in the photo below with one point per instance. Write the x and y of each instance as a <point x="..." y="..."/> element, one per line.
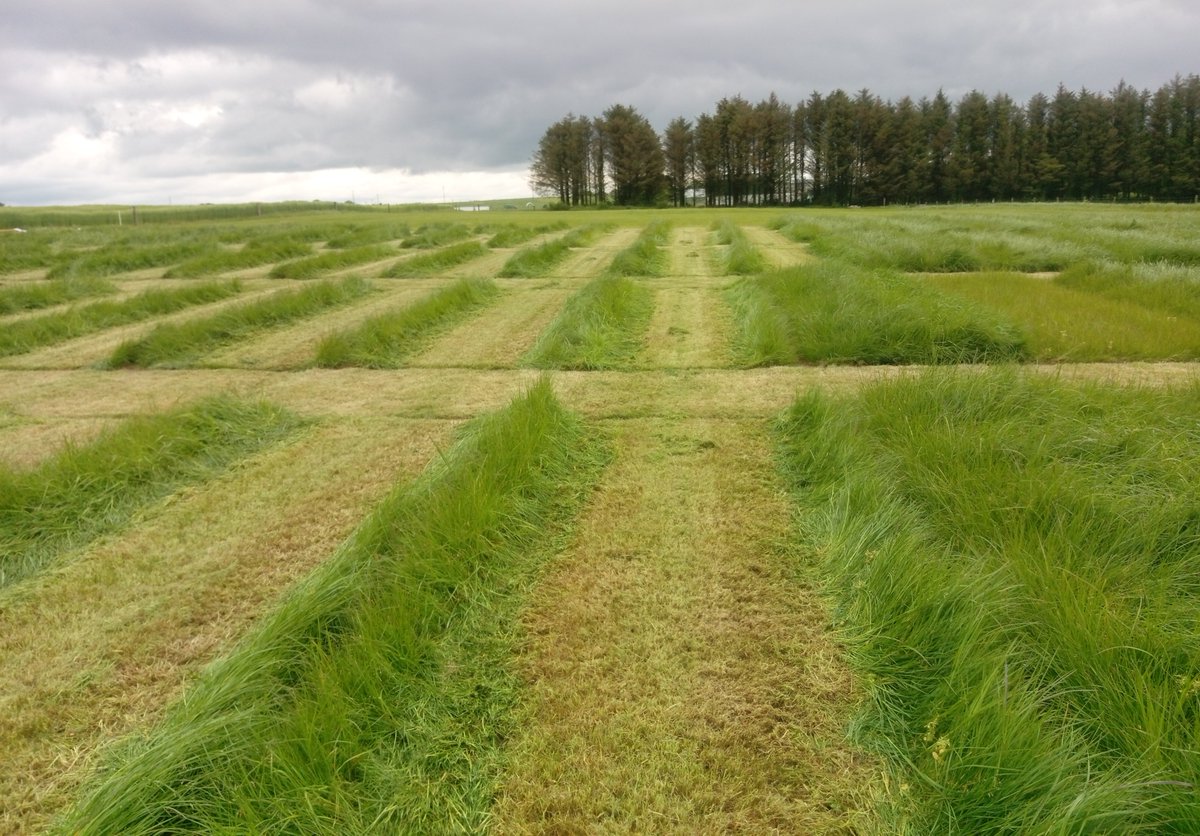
<point x="687" y="587"/>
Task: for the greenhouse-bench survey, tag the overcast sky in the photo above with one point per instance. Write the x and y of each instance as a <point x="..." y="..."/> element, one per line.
<point x="187" y="101"/>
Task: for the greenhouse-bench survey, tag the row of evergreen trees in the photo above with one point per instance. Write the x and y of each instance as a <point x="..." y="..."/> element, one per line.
<point x="839" y="149"/>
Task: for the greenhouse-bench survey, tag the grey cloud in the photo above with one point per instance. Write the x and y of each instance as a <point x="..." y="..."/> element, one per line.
<point x="471" y="85"/>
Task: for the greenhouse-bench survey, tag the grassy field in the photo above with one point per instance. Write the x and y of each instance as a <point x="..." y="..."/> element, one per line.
<point x="683" y="521"/>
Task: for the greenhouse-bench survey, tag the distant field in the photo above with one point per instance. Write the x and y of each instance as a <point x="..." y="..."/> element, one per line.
<point x="378" y="519"/>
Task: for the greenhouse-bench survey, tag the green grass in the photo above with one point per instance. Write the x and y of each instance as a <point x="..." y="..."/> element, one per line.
<point x="181" y="343"/>
<point x="385" y="341"/>
<point x="436" y="261"/>
<point x="1014" y="565"/>
<point x="741" y="258"/>
<point x="379" y="695"/>
<point x="833" y="313"/>
<point x="94" y="489"/>
<point x="364" y="235"/>
<point x="1087" y="317"/>
<point x="600" y="327"/>
<point x="645" y="256"/>
<point x="256" y="253"/>
<point x="49" y="329"/>
<point x="435" y="235"/>
<point x="317" y="265"/>
<point x="28" y="296"/>
<point x="535" y="262"/>
<point x="129" y="254"/>
<point x="1172" y="291"/>
<point x="511" y="236"/>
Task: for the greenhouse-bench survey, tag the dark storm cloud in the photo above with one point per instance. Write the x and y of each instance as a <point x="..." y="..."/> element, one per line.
<point x="144" y="89"/>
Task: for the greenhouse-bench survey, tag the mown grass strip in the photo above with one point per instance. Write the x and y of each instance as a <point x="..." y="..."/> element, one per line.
<point x="379" y="695"/>
<point x="429" y="263"/>
<point x="384" y="341"/>
<point x="38" y="332"/>
<point x="741" y="258"/>
<point x="600" y="327"/>
<point x="89" y="490"/>
<point x="834" y="313"/>
<point x="646" y="256"/>
<point x="182" y="342"/>
<point x="317" y="265"/>
<point x="1015" y="566"/>
<point x="29" y="296"/>
<point x="533" y="262"/>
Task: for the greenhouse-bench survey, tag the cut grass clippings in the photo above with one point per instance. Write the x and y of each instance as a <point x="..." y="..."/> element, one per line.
<point x="834" y="313"/>
<point x="38" y="332"/>
<point x="89" y="490"/>
<point x="385" y="341"/>
<point x="430" y="263"/>
<point x="378" y="697"/>
<point x="182" y="342"/>
<point x="600" y="327"/>
<point x="1014" y="562"/>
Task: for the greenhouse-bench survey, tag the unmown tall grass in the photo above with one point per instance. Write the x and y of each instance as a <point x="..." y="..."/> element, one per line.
<point x="534" y="262"/>
<point x="28" y="296"/>
<point x="741" y="258"/>
<point x="438" y="260"/>
<point x="128" y="254"/>
<point x="384" y="341"/>
<point x="89" y="490"/>
<point x="257" y="252"/>
<point x="317" y="265"/>
<point x="600" y="327"/>
<point x="361" y="236"/>
<point x="511" y="236"/>
<point x="31" y="333"/>
<point x="1014" y="563"/>
<point x="436" y="235"/>
<point x="377" y="698"/>
<point x="182" y="342"/>
<point x="831" y="312"/>
<point x="645" y="256"/>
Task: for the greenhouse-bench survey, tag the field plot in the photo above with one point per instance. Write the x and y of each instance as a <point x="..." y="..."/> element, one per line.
<point x="638" y="521"/>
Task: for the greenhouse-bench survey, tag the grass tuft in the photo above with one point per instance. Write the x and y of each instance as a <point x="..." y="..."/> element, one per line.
<point x="30" y="296"/>
<point x="645" y="256"/>
<point x="538" y="261"/>
<point x="443" y="259"/>
<point x="1014" y="563"/>
<point x="182" y="342"/>
<point x="317" y="265"/>
<point x="385" y="341"/>
<point x="600" y="327"/>
<point x="89" y="490"/>
<point x="741" y="258"/>
<point x="38" y="332"/>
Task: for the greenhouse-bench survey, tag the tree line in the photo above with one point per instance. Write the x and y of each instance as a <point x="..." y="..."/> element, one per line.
<point x="840" y="149"/>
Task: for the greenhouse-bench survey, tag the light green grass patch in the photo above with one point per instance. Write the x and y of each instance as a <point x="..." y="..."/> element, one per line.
<point x="601" y="327"/>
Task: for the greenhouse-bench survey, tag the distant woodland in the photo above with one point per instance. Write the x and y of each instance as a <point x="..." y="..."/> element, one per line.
<point x="840" y="149"/>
